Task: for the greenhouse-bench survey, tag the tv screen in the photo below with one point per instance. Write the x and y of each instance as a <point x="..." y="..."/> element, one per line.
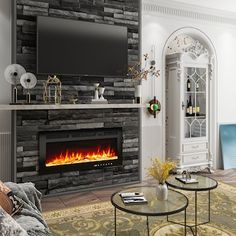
<point x="71" y="47"/>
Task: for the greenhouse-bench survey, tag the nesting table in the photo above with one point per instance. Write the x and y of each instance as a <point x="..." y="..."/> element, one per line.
<point x="175" y="203"/>
<point x="204" y="184"/>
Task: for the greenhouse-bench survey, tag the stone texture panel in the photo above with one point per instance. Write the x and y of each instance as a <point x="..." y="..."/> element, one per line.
<point x="117" y="90"/>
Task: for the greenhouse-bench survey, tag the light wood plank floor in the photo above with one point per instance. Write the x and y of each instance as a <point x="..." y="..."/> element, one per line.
<point x="96" y="196"/>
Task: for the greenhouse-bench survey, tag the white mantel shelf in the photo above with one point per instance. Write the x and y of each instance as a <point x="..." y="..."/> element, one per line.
<point x="6" y="107"/>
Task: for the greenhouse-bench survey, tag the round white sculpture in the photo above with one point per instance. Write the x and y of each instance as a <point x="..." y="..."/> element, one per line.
<point x="28" y="80"/>
<point x="13" y="73"/>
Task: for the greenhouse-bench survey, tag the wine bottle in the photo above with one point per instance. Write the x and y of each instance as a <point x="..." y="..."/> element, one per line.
<point x="194" y="111"/>
<point x="187" y="109"/>
<point x="197" y="108"/>
<point x="188" y="84"/>
<point x="197" y="86"/>
<point x="190" y="106"/>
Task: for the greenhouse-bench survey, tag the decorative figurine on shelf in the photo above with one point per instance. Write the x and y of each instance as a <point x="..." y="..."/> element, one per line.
<point x="73" y="100"/>
<point x="12" y="75"/>
<point x="98" y="94"/>
<point x="28" y="81"/>
<point x="96" y="85"/>
<point x="52" y="90"/>
<point x="101" y="92"/>
<point x="186" y="175"/>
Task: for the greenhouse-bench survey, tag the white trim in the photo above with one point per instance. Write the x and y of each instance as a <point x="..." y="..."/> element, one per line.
<point x="5" y="107"/>
<point x="173" y="8"/>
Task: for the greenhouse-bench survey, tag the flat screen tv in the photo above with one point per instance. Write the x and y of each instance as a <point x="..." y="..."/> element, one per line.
<point x="72" y="47"/>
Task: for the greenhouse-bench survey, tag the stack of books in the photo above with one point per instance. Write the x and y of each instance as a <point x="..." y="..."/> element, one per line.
<point x="133" y="198"/>
<point x="187" y="181"/>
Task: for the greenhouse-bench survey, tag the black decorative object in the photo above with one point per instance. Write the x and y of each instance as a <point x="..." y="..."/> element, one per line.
<point x="28" y="81"/>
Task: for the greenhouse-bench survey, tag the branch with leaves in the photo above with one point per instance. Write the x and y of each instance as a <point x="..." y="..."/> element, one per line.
<point x="137" y="73"/>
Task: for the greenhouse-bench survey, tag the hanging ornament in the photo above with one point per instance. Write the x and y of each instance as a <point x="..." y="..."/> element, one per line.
<point x="154" y="107"/>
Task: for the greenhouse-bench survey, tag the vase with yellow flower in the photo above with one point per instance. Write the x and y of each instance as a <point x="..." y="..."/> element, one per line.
<point x="160" y="171"/>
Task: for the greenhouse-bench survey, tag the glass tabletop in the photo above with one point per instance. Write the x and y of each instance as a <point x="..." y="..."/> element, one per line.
<point x="203" y="183"/>
<point x="175" y="203"/>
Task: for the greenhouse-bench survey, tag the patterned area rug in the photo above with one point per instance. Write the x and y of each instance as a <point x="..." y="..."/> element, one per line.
<point x="98" y="219"/>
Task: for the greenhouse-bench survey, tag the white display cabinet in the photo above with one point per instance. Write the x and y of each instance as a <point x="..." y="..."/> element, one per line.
<point x="187" y="106"/>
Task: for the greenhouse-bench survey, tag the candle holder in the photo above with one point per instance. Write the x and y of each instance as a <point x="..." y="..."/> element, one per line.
<point x="52" y="90"/>
<point x="12" y="75"/>
<point x="28" y="81"/>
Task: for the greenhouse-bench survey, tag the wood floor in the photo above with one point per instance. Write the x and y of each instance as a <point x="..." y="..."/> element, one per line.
<point x="96" y="196"/>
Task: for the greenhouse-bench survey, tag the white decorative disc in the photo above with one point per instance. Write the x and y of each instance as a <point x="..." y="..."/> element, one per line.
<point x="28" y="80"/>
<point x="13" y="73"/>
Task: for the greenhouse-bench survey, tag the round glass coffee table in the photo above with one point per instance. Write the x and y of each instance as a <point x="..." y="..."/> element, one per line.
<point x="203" y="184"/>
<point x="175" y="203"/>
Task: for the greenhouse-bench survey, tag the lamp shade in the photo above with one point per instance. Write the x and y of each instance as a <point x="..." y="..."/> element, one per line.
<point x="28" y="80"/>
<point x="13" y="73"/>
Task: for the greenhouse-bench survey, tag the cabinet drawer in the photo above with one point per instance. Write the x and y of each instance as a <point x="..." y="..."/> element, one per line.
<point x="195" y="158"/>
<point x="192" y="147"/>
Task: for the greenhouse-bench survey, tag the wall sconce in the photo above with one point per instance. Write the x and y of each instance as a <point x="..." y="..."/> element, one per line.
<point x="154" y="107"/>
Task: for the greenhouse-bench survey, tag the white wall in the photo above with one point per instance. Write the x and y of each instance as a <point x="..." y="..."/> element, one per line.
<point x="228" y="5"/>
<point x="156" y="28"/>
<point x="5" y="59"/>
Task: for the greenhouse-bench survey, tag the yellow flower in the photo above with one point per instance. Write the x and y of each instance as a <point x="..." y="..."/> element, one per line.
<point x="160" y="170"/>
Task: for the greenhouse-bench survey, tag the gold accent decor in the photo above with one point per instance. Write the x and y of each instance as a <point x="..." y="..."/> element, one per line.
<point x="52" y="90"/>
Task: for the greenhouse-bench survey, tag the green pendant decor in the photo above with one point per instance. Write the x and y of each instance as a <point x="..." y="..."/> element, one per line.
<point x="154" y="107"/>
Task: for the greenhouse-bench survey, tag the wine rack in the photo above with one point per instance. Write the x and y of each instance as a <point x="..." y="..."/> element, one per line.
<point x="195" y="123"/>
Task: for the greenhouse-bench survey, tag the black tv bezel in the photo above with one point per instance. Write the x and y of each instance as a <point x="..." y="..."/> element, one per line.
<point x="84" y="75"/>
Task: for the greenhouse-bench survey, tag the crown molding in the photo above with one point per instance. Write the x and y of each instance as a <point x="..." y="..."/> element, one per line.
<point x="174" y="8"/>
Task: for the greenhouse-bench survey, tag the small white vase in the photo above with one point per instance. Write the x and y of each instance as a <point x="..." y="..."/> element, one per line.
<point x="138" y="93"/>
<point x="162" y="192"/>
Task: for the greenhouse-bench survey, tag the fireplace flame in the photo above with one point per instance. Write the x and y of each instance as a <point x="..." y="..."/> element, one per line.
<point x="71" y="157"/>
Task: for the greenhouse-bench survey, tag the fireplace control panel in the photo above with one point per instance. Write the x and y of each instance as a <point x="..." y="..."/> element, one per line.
<point x="103" y="164"/>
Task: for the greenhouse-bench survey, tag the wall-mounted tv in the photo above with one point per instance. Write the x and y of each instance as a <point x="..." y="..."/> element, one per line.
<point x="72" y="47"/>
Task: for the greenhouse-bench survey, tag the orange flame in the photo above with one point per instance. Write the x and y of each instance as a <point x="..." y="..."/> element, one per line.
<point x="70" y="157"/>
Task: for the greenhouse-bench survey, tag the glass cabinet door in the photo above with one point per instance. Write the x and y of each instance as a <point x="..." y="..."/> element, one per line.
<point x="195" y="102"/>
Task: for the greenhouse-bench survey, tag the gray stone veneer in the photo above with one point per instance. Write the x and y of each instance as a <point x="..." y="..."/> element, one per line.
<point x="117" y="90"/>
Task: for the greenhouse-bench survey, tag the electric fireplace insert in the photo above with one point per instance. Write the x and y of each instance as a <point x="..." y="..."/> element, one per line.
<point x="85" y="149"/>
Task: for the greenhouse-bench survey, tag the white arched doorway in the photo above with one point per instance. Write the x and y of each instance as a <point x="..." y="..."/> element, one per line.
<point x="205" y="41"/>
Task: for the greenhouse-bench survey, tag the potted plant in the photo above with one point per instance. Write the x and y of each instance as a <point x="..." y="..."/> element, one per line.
<point x="160" y="171"/>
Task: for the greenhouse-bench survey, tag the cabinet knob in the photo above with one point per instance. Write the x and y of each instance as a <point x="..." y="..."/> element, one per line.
<point x="183" y="105"/>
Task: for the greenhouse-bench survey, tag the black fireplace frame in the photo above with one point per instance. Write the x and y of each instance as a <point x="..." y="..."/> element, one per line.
<point x="79" y="135"/>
